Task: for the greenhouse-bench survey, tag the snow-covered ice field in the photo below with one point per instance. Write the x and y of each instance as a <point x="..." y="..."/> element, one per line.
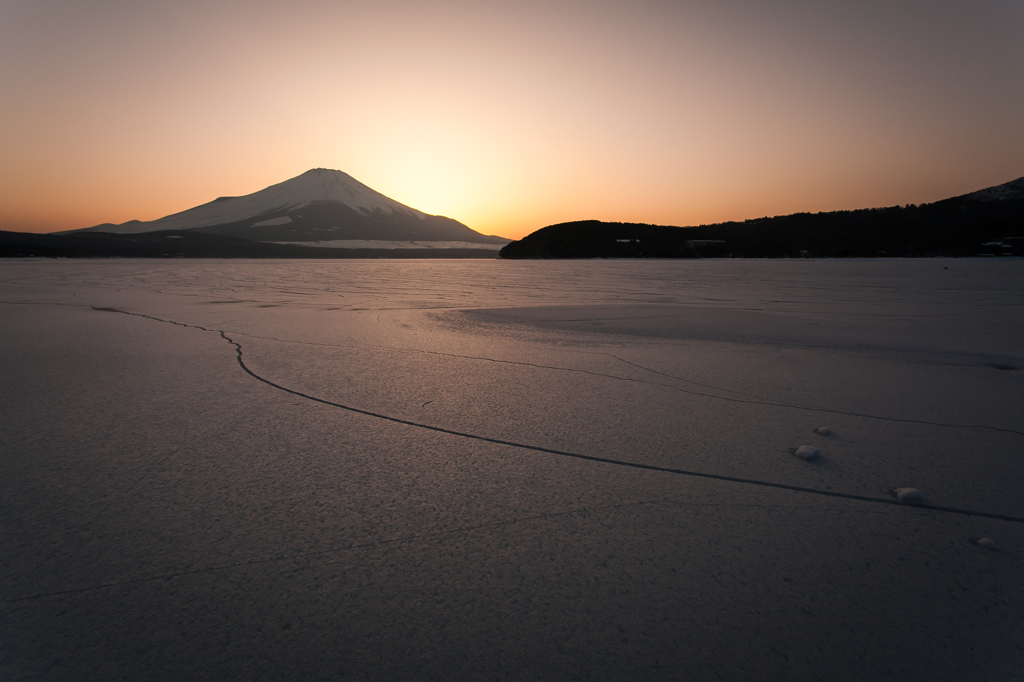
<point x="270" y="470"/>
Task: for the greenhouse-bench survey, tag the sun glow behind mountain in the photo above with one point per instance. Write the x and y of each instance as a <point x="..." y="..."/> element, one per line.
<point x="506" y="117"/>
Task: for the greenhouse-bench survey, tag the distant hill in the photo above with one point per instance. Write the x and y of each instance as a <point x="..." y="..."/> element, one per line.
<point x="987" y="222"/>
<point x="319" y="205"/>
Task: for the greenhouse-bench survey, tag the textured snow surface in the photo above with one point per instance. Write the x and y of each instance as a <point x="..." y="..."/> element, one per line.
<point x="169" y="514"/>
<point x="319" y="184"/>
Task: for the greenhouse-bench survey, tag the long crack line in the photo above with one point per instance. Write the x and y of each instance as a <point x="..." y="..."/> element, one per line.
<point x="765" y="403"/>
<point x="589" y="458"/>
<point x="822" y="410"/>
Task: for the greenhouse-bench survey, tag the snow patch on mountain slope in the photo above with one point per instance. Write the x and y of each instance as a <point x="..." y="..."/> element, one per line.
<point x="1004" y="192"/>
<point x="283" y="220"/>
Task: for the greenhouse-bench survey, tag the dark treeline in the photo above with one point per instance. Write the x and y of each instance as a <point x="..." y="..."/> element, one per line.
<point x="961" y="226"/>
<point x="192" y="244"/>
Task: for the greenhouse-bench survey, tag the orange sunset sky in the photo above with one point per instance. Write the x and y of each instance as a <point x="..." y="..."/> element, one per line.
<point x="507" y="116"/>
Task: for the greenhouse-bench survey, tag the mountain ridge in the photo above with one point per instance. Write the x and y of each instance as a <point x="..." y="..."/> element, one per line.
<point x="988" y="222"/>
<point x="319" y="205"/>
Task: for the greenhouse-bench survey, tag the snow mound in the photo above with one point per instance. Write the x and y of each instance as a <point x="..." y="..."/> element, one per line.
<point x="908" y="494"/>
<point x="807" y="452"/>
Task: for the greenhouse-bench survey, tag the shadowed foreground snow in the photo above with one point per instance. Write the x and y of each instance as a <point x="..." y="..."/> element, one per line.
<point x="511" y="470"/>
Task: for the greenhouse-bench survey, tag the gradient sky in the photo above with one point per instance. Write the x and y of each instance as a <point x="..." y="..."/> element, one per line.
<point x="507" y="116"/>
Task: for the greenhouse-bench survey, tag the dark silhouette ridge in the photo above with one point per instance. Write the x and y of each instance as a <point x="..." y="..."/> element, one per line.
<point x="192" y="244"/>
<point x="985" y="223"/>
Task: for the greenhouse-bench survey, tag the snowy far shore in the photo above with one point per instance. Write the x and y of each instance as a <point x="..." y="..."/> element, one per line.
<point x="386" y="244"/>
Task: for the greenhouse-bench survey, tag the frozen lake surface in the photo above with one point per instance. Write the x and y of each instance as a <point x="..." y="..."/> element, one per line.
<point x="266" y="470"/>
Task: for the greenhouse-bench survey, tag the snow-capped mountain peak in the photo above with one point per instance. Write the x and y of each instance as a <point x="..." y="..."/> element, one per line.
<point x="319" y="205"/>
<point x="324" y="184"/>
<point x="319" y="184"/>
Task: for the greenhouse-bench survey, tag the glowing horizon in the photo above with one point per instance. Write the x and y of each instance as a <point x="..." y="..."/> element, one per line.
<point x="507" y="118"/>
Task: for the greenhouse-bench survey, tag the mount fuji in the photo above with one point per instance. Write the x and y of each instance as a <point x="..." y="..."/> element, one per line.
<point x="321" y="205"/>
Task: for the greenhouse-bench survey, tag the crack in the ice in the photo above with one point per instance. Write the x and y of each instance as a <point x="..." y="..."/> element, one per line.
<point x="507" y="362"/>
<point x="671" y="376"/>
<point x="766" y="403"/>
<point x="823" y="410"/>
<point x="606" y="460"/>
